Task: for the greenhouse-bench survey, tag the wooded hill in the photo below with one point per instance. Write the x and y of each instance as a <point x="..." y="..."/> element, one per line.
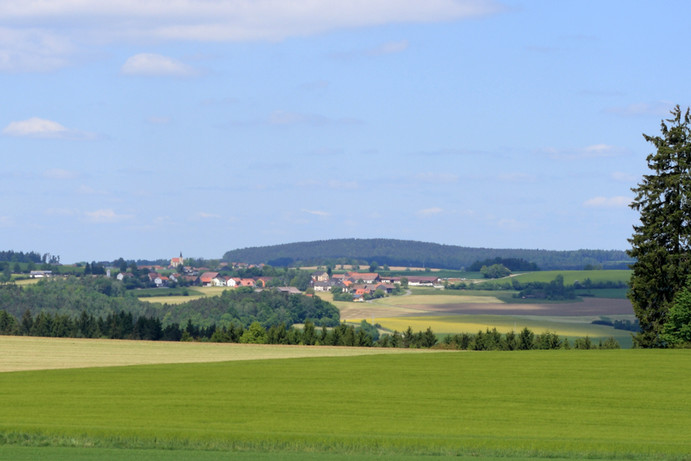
<point x="419" y="254"/>
<point x="101" y="297"/>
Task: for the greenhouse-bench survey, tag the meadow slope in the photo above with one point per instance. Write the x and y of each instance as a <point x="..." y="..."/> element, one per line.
<point x="617" y="404"/>
<point x="22" y="353"/>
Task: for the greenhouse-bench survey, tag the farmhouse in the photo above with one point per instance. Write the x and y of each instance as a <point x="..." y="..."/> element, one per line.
<point x="367" y="277"/>
<point x="40" y="274"/>
<point x="423" y="281"/>
<point x="320" y="276"/>
<point x="206" y="279"/>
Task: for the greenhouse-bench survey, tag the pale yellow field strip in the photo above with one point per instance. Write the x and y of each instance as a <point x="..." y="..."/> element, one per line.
<point x="26" y="281"/>
<point x="446" y="325"/>
<point x="430" y="300"/>
<point x="21" y="353"/>
<point x="170" y="299"/>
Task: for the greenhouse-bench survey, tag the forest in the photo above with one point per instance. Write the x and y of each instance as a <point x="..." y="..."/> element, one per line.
<point x="409" y="253"/>
<point x="101" y="297"/>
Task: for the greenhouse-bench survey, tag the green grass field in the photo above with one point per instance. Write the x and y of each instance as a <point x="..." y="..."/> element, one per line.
<point x="572" y="276"/>
<point x="19" y="453"/>
<point x="628" y="404"/>
<point x="175" y="295"/>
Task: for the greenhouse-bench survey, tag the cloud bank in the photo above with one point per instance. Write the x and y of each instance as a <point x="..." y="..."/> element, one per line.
<point x="234" y="20"/>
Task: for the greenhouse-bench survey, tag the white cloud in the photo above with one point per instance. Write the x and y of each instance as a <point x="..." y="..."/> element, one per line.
<point x="237" y="19"/>
<point x="592" y="151"/>
<point x="36" y="127"/>
<point x="623" y="177"/>
<point x="6" y="221"/>
<point x="516" y="177"/>
<point x="58" y="173"/>
<point x="511" y="224"/>
<point x="59" y="28"/>
<point x="32" y="50"/>
<point x="150" y="64"/>
<point x="317" y="212"/>
<point x="437" y="178"/>
<point x="61" y="212"/>
<point x="159" y="120"/>
<point x="608" y="202"/>
<point x="106" y="215"/>
<point x="343" y="185"/>
<point x="285" y="118"/>
<point x="205" y="215"/>
<point x="389" y="48"/>
<point x="88" y="190"/>
<point x="430" y="211"/>
<point x="658" y="108"/>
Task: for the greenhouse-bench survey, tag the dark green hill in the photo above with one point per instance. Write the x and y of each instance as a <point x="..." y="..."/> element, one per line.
<point x="418" y="254"/>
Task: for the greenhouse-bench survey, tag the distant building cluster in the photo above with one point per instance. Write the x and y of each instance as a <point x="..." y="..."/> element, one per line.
<point x="360" y="284"/>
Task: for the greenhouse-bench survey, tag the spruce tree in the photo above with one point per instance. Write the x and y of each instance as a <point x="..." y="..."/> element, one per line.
<point x="661" y="242"/>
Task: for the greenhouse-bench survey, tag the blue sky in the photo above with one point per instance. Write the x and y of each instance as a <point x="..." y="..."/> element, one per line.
<point x="142" y="129"/>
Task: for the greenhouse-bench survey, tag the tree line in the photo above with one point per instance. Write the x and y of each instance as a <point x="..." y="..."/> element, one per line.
<point x="124" y="325"/>
<point x="493" y="340"/>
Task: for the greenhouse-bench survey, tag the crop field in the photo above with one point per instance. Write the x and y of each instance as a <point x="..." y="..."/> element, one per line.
<point x="534" y="404"/>
<point x="443" y="325"/>
<point x="22" y="353"/>
<point x="449" y="312"/>
<point x="570" y="277"/>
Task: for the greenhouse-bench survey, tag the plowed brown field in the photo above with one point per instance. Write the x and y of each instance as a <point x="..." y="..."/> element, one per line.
<point x="588" y="307"/>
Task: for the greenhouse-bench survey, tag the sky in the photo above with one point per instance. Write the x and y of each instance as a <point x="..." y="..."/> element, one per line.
<point x="142" y="129"/>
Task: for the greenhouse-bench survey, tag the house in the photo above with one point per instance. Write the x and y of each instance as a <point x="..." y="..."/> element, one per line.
<point x="157" y="279"/>
<point x="219" y="281"/>
<point x="232" y="282"/>
<point x="366" y="277"/>
<point x="323" y="286"/>
<point x="423" y="281"/>
<point x="385" y="287"/>
<point x="122" y="275"/>
<point x="161" y="281"/>
<point x="360" y="292"/>
<point x="247" y="283"/>
<point x="40" y="274"/>
<point x="206" y="279"/>
<point x="320" y="276"/>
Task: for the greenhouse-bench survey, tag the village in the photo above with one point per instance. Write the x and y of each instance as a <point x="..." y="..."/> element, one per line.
<point x="348" y="285"/>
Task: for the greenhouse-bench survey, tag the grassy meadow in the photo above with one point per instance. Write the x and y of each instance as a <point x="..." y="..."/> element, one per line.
<point x="628" y="404"/>
<point x="596" y="276"/>
<point x="175" y="296"/>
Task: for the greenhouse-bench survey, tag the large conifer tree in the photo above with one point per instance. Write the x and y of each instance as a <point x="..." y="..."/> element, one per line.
<point x="661" y="243"/>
